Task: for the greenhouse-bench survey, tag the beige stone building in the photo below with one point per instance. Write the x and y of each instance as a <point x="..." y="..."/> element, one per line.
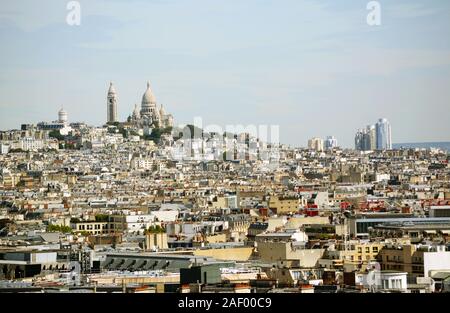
<point x="156" y="241"/>
<point x="286" y="251"/>
<point x="227" y="254"/>
<point x="416" y="260"/>
<point x="284" y="205"/>
<point x="91" y="227"/>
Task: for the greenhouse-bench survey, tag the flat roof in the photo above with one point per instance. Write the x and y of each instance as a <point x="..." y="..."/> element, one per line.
<point x="431" y="226"/>
<point x="390" y="272"/>
<point x="404" y="219"/>
<point x="156" y="255"/>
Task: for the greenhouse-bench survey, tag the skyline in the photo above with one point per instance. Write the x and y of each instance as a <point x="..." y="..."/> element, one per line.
<point x="109" y="119"/>
<point x="329" y="78"/>
<point x="190" y="149"/>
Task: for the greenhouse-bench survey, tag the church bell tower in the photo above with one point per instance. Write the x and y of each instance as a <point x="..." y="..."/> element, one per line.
<point x="111" y="104"/>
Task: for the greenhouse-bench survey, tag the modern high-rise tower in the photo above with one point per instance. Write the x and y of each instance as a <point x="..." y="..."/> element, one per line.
<point x="330" y="142"/>
<point x="374" y="137"/>
<point x="111" y="104"/>
<point x="359" y="140"/>
<point x="316" y="144"/>
<point x="370" y="140"/>
<point x="384" y="139"/>
<point x="366" y="139"/>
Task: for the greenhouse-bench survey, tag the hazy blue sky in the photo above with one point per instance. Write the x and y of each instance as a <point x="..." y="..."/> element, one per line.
<point x="315" y="68"/>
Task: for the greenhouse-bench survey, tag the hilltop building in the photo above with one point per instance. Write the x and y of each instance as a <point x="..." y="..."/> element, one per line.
<point x="149" y="116"/>
<point x="111" y="104"/>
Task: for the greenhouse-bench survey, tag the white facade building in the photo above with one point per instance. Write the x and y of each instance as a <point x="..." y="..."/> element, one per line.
<point x="141" y="163"/>
<point x="436" y="260"/>
<point x="4" y="148"/>
<point x="62" y="116"/>
<point x="136" y="223"/>
<point x="376" y="280"/>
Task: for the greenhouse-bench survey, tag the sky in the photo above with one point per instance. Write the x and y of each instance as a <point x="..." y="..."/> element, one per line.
<point x="315" y="68"/>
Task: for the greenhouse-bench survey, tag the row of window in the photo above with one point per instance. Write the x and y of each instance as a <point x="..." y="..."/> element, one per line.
<point x="92" y="226"/>
<point x="97" y="232"/>
<point x="360" y="258"/>
<point x="367" y="249"/>
<point x="99" y="226"/>
<point x="395" y="283"/>
<point x="391" y="267"/>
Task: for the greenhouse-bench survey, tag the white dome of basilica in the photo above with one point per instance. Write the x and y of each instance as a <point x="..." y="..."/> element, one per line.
<point x="148" y="97"/>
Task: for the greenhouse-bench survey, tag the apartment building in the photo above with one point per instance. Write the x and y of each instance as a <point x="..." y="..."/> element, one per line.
<point x="416" y="260"/>
<point x="91" y="227"/>
<point x="284" y="205"/>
